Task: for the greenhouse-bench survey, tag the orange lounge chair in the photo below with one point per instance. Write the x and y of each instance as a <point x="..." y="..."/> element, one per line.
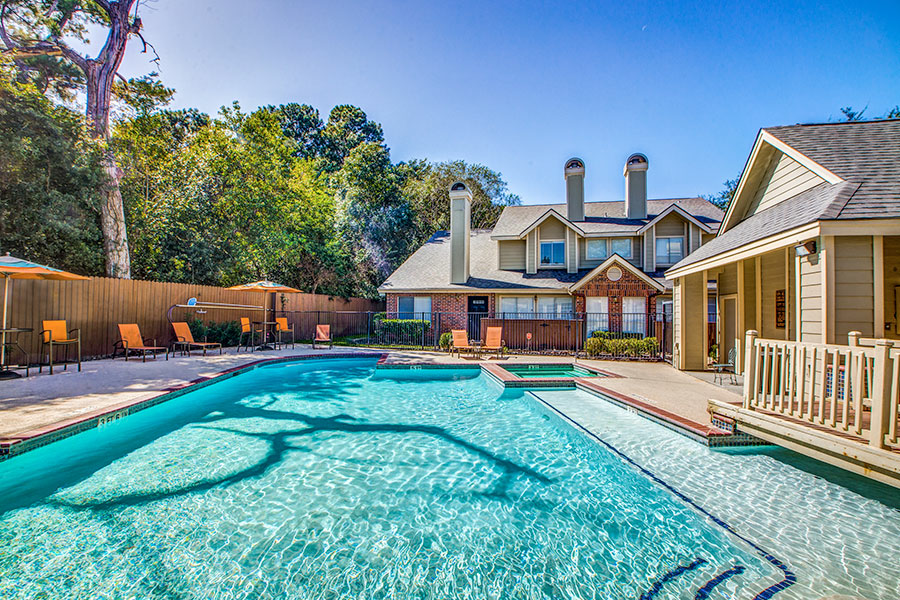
<point x="185" y="339"/>
<point x="460" y="342"/>
<point x="493" y="341"/>
<point x="56" y="333"/>
<point x="323" y="336"/>
<point x="281" y="330"/>
<point x="130" y="340"/>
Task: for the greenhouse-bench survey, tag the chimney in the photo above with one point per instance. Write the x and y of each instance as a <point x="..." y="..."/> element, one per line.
<point x="575" y="189"/>
<point x="636" y="186"/>
<point x="460" y="223"/>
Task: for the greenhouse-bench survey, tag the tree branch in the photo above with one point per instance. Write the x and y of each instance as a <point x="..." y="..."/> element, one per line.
<point x="105" y="6"/>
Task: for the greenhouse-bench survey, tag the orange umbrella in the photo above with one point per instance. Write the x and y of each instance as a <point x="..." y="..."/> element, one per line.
<point x="265" y="287"/>
<point x="17" y="268"/>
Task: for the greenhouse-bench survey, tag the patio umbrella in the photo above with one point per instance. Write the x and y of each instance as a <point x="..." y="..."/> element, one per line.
<point x="265" y="287"/>
<point x="17" y="268"/>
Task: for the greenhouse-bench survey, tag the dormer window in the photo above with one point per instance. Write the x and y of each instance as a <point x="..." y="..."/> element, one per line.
<point x="553" y="253"/>
<point x="669" y="250"/>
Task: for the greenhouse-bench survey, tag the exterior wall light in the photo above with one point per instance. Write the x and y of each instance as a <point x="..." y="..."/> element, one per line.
<point x="806" y="249"/>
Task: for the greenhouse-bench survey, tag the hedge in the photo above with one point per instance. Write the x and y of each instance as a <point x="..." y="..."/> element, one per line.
<point x="227" y="333"/>
<point x="629" y="346"/>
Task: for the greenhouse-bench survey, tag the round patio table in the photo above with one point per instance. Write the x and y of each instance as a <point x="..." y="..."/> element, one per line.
<point x="264" y="326"/>
<point x="9" y="343"/>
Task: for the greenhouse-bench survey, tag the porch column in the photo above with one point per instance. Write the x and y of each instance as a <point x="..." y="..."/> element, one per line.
<point x="692" y="327"/>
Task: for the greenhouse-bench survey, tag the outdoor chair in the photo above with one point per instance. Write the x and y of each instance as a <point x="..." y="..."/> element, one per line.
<point x="184" y="339"/>
<point x="282" y="330"/>
<point x="130" y="340"/>
<point x="56" y="333"/>
<point x="493" y="341"/>
<point x="248" y="330"/>
<point x="726" y="367"/>
<point x="323" y="336"/>
<point x="460" y="342"/>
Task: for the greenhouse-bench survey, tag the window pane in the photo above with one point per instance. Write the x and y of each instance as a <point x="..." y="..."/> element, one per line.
<point x="622" y="247"/>
<point x="508" y="305"/>
<point x="546" y="253"/>
<point x="405" y="307"/>
<point x="422" y="307"/>
<point x="559" y="253"/>
<point x="676" y="252"/>
<point x="596" y="249"/>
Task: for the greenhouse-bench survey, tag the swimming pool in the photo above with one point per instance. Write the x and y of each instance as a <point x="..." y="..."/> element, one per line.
<point x="327" y="479"/>
<point x="550" y="370"/>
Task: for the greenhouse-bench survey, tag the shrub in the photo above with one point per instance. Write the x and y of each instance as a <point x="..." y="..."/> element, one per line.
<point x="444" y="341"/>
<point x="594" y="346"/>
<point x="227" y="333"/>
<point x="401" y="331"/>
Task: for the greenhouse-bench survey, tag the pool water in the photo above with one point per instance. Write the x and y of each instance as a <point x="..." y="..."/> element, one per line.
<point x="329" y="479"/>
<point x="528" y="371"/>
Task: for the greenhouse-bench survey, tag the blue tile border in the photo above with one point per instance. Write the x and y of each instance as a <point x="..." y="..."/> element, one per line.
<point x="789" y="577"/>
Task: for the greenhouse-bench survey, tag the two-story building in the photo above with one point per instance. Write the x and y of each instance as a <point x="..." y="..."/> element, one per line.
<point x="602" y="260"/>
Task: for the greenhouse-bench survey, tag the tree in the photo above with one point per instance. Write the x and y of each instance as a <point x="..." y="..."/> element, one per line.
<point x="426" y="186"/>
<point x="724" y="198"/>
<point x="347" y="128"/>
<point x="38" y="28"/>
<point x="48" y="174"/>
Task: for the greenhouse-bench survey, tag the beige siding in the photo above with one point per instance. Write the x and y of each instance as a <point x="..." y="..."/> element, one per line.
<point x="636" y="252"/>
<point x="571" y="251"/>
<point x="784" y="178"/>
<point x="649" y="262"/>
<point x="531" y="252"/>
<point x="512" y="254"/>
<point x="696" y="238"/>
<point x="727" y="282"/>
<point x="772" y="270"/>
<point x="854" y="308"/>
<point x="811" y="299"/>
<point x="552" y="229"/>
<point x="669" y="226"/>
<point x="749" y="296"/>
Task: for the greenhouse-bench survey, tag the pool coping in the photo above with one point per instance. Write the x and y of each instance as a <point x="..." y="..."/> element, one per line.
<point x="14" y="445"/>
<point x="511" y="380"/>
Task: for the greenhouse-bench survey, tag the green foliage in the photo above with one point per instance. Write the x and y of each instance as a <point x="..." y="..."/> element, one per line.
<point x="444" y="340"/>
<point x="226" y="333"/>
<point x="48" y="173"/>
<point x="724" y="198"/>
<point x="635" y="347"/>
<point x="400" y="331"/>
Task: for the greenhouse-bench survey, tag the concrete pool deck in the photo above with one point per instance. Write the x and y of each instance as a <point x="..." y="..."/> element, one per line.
<point x="43" y="403"/>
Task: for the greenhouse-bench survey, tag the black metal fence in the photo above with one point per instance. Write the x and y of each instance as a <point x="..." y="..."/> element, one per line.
<point x="601" y="335"/>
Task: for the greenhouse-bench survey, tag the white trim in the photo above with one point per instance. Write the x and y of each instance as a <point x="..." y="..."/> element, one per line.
<point x="622" y="262"/>
<point x="552" y="265"/>
<point x="550" y="213"/>
<point x="786" y="238"/>
<point x="685" y="214"/>
<point x="765" y="137"/>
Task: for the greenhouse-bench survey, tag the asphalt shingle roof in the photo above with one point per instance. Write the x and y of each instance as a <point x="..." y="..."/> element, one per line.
<point x="604" y="217"/>
<point x="864" y="152"/>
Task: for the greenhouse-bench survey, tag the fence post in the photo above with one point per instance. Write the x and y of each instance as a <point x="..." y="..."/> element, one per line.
<point x="368" y="328"/>
<point x="881" y="392"/>
<point x="749" y="367"/>
<point x="853" y="338"/>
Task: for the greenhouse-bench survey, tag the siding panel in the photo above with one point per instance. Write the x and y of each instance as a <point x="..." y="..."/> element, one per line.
<point x="784" y="178"/>
<point x="854" y="308"/>
<point x="512" y="254"/>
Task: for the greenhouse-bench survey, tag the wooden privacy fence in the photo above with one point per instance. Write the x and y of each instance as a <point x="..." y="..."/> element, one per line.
<point x="97" y="305"/>
<point x="853" y="389"/>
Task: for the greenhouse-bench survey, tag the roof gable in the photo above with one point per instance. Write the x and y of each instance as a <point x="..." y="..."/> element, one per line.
<point x="615" y="259"/>
<point x="765" y="158"/>
<point x="674" y="208"/>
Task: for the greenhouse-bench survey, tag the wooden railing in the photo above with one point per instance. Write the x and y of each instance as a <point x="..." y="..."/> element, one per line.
<point x="853" y="389"/>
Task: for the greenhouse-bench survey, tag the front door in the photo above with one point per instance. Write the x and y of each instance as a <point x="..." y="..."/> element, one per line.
<point x="478" y="308"/>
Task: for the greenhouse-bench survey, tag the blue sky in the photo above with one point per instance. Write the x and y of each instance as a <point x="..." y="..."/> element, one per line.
<point x="522" y="86"/>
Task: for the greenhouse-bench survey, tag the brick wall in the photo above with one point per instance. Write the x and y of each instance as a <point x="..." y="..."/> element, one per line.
<point x="628" y="285"/>
<point x="452" y="306"/>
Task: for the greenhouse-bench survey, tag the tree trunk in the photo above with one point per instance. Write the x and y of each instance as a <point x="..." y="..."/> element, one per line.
<point x="100" y="76"/>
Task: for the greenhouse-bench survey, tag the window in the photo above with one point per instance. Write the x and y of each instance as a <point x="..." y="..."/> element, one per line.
<point x="414" y="307"/>
<point x="597" y="317"/>
<point x="620" y="246"/>
<point x="516" y="307"/>
<point x="634" y="314"/>
<point x="596" y="250"/>
<point x="553" y="254"/>
<point x="555" y="307"/>
<point x="669" y="250"/>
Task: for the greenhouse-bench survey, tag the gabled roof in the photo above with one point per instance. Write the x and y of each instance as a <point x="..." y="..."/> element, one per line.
<point x="550" y="212"/>
<point x="863" y="152"/>
<point x="615" y="259"/>
<point x="428" y="269"/>
<point x="604" y="218"/>
<point x="674" y="208"/>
